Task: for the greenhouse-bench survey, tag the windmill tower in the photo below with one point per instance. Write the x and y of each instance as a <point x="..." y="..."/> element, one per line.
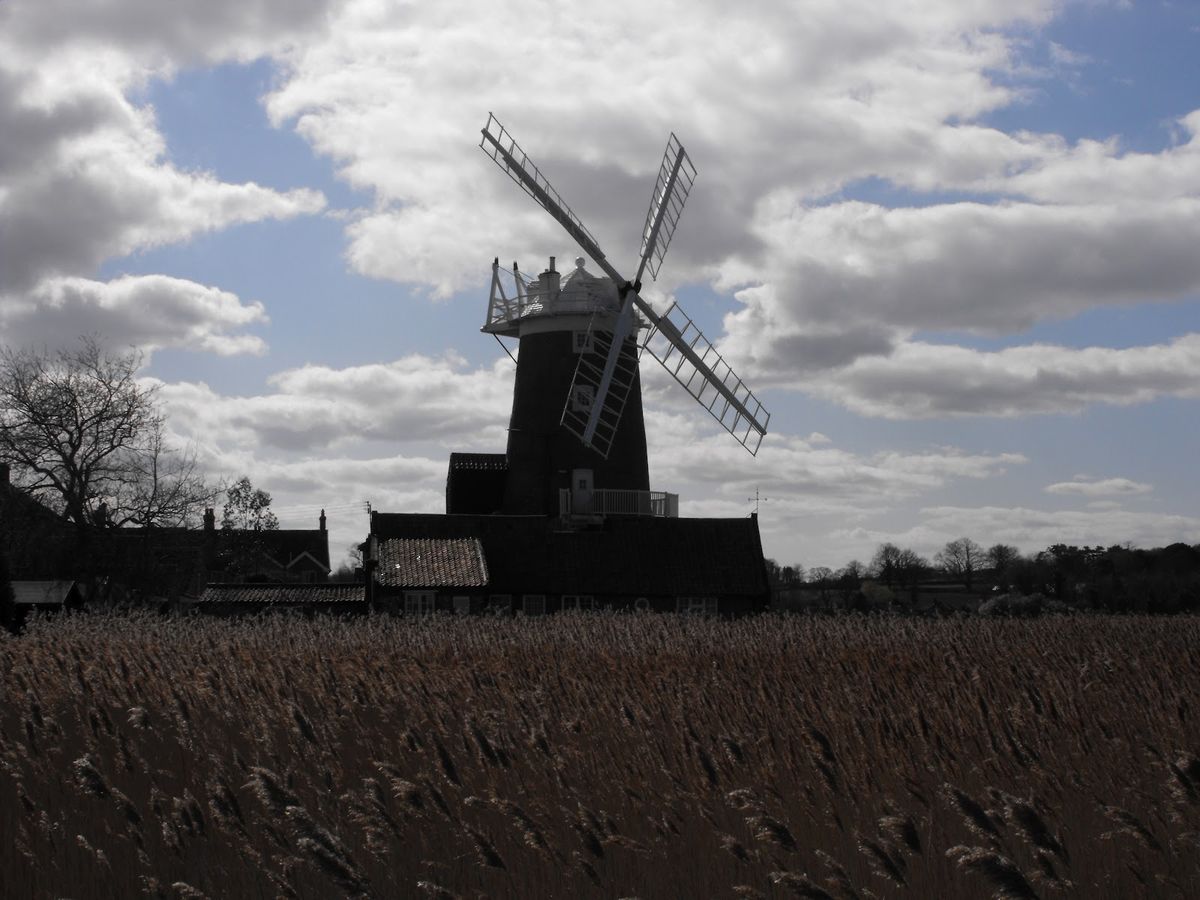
<point x="563" y="320"/>
<point x="577" y="419"/>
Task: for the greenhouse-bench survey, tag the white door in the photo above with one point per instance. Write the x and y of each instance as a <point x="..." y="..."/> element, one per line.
<point x="581" y="490"/>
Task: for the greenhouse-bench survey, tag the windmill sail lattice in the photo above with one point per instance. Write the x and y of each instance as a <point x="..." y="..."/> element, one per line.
<point x="676" y="176"/>
<point x="707" y="377"/>
<point x="599" y="418"/>
<point x="508" y="155"/>
<point x="673" y="339"/>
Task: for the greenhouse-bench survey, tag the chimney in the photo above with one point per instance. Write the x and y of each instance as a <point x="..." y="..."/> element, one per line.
<point x="210" y="520"/>
<point x="549" y="283"/>
<point x="322" y="520"/>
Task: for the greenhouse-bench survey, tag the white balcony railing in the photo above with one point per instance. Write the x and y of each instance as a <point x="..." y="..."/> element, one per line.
<point x="607" y="502"/>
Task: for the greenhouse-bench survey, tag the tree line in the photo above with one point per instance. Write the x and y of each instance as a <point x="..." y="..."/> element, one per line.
<point x="1118" y="578"/>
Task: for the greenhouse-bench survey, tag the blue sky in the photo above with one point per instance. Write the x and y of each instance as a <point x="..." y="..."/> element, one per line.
<point x="952" y="249"/>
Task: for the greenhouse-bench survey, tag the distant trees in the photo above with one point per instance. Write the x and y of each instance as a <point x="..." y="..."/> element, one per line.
<point x="779" y="576"/>
<point x="86" y="438"/>
<point x="820" y="575"/>
<point x="896" y="567"/>
<point x="961" y="558"/>
<point x="1000" y="558"/>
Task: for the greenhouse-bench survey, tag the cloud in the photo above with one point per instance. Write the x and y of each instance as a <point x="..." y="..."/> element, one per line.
<point x="85" y="175"/>
<point x="790" y="112"/>
<point x="1083" y="486"/>
<point x="801" y="476"/>
<point x="146" y="311"/>
<point x="385" y="96"/>
<point x="216" y="30"/>
<point x="921" y="380"/>
<point x="416" y="399"/>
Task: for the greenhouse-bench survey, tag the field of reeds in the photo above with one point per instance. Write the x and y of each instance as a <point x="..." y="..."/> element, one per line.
<point x="601" y="756"/>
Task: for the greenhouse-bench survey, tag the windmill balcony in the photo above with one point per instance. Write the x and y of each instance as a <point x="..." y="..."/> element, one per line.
<point x="608" y="502"/>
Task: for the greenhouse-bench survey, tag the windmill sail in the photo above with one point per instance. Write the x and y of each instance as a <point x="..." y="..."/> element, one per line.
<point x="595" y="403"/>
<point x="508" y="155"/>
<point x="675" y="178"/>
<point x="694" y="362"/>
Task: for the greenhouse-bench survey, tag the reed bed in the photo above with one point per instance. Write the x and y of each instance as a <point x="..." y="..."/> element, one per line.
<point x="600" y="756"/>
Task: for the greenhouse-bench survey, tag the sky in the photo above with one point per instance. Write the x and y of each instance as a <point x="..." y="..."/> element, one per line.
<point x="953" y="245"/>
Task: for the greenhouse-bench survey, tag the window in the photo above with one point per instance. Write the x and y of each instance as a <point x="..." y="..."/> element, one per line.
<point x="500" y="603"/>
<point x="580" y="602"/>
<point x="696" y="605"/>
<point x="583" y="341"/>
<point x="533" y="604"/>
<point x="462" y="605"/>
<point x="419" y="602"/>
<point x="581" y="397"/>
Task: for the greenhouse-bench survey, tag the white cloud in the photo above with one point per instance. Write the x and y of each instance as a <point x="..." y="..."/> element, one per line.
<point x="416" y="399"/>
<point x="85" y="175"/>
<point x="921" y="380"/>
<point x="147" y="311"/>
<point x="1083" y="486"/>
<point x="806" y="98"/>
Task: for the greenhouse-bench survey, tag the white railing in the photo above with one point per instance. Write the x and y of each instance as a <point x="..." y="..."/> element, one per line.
<point x="608" y="502"/>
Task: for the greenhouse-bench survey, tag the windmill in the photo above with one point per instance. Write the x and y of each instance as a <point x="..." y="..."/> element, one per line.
<point x="602" y="404"/>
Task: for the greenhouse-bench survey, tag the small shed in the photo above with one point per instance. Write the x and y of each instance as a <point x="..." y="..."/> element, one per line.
<point x="39" y="596"/>
<point x="327" y="597"/>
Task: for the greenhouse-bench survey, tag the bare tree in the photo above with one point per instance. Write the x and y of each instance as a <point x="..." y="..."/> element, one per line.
<point x="820" y="575"/>
<point x="1001" y="557"/>
<point x="885" y="565"/>
<point x="961" y="558"/>
<point x="854" y="571"/>
<point x="159" y="485"/>
<point x="82" y="434"/>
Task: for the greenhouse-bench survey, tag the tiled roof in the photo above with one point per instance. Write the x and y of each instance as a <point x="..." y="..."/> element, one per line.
<point x="283" y="593"/>
<point x="625" y="555"/>
<point x="431" y="562"/>
<point x="490" y="462"/>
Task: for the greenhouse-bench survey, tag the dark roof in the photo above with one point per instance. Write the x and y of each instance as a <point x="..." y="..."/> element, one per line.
<point x="491" y="462"/>
<point x="287" y="546"/>
<point x="41" y="593"/>
<point x="283" y="593"/>
<point x="624" y="555"/>
<point x="431" y="562"/>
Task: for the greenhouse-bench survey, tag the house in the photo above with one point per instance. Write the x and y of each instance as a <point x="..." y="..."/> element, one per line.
<point x="543" y="564"/>
<point x="272" y="555"/>
<point x="37" y="542"/>
<point x="151" y="564"/>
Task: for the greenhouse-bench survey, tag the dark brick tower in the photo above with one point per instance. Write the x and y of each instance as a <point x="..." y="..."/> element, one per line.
<point x="556" y="320"/>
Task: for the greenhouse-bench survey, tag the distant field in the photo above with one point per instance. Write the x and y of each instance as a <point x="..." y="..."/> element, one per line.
<point x="609" y="756"/>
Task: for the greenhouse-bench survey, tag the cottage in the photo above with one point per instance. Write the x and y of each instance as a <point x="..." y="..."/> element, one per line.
<point x="542" y="564"/>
